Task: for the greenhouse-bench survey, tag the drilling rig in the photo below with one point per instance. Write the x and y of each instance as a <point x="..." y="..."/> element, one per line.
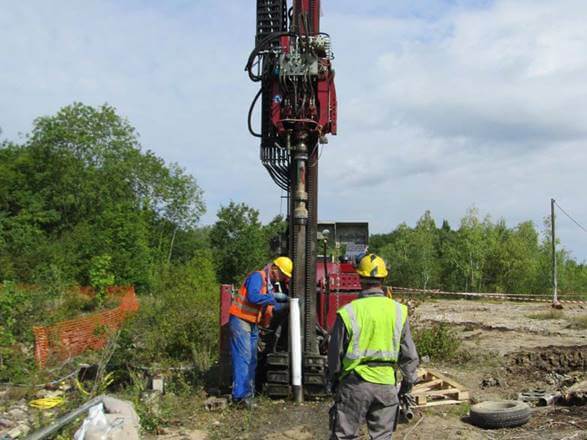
<point x="292" y="61"/>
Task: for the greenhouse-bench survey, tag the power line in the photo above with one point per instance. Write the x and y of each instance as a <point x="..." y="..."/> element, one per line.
<point x="569" y="216"/>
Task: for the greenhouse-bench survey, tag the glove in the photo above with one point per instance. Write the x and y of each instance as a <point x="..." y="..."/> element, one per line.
<point x="282" y="307"/>
<point x="405" y="388"/>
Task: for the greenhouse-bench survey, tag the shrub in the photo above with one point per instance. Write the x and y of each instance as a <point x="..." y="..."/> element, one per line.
<point x="18" y="311"/>
<point x="179" y="322"/>
<point x="439" y="342"/>
<point x="101" y="276"/>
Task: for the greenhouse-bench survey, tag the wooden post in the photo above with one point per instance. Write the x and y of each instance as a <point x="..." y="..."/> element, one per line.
<point x="555" y="302"/>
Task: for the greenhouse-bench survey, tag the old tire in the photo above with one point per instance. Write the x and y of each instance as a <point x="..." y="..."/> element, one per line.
<point x="500" y="414"/>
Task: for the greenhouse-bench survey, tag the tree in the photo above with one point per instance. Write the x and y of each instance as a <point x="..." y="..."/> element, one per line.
<point x="515" y="258"/>
<point x="275" y="234"/>
<point x="183" y="203"/>
<point x="412" y="254"/>
<point x="467" y="253"/>
<point x="82" y="186"/>
<point x="238" y="242"/>
<point x="397" y="255"/>
<point x="425" y="251"/>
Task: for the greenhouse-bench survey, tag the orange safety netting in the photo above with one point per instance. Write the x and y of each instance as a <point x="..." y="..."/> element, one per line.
<point x="70" y="338"/>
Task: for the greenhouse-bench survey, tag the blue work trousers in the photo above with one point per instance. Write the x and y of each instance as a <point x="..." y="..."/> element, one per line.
<point x="243" y="348"/>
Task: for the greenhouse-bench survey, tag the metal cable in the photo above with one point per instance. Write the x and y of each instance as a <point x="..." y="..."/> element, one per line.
<point x="53" y="382"/>
<point x="569" y="216"/>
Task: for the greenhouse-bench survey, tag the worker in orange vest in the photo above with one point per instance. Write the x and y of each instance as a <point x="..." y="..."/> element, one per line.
<point x="250" y="306"/>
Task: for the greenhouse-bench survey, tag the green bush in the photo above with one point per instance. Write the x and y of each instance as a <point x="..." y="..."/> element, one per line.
<point x="178" y="323"/>
<point x="19" y="309"/>
<point x="439" y="342"/>
<point x="101" y="276"/>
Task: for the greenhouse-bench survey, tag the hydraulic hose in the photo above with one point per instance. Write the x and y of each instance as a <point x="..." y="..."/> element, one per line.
<point x="249" y="119"/>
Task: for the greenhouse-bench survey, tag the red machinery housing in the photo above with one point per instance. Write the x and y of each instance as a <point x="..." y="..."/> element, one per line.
<point x="336" y="284"/>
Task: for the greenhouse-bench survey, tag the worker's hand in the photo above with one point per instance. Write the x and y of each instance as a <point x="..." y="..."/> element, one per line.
<point x="280" y="297"/>
<point x="404" y="388"/>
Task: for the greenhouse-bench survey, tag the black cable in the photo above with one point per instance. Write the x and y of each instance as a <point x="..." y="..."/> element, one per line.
<point x="569" y="216"/>
<point x="249" y="119"/>
<point x="260" y="46"/>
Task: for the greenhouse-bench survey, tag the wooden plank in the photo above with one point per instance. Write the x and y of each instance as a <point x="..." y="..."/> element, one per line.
<point x="440" y="402"/>
<point x="444" y="392"/>
<point x="422" y="374"/>
<point x="421" y="399"/>
<point x="453" y="383"/>
<point x="434" y="384"/>
<point x="458" y="394"/>
<point x="450" y="393"/>
<point x="421" y="387"/>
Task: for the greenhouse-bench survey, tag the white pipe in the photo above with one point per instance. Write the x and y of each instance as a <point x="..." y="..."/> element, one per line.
<point x="296" y="348"/>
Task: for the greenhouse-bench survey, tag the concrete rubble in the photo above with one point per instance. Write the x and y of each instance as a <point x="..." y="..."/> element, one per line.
<point x="215" y="403"/>
<point x="122" y="419"/>
<point x="490" y="382"/>
<point x="16" y="421"/>
<point x="577" y="394"/>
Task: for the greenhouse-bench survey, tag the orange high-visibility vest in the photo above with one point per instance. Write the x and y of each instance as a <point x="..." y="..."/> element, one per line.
<point x="242" y="308"/>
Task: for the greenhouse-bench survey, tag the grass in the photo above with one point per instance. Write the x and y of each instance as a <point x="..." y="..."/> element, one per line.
<point x="473" y="359"/>
<point x="550" y="314"/>
<point x="578" y="322"/>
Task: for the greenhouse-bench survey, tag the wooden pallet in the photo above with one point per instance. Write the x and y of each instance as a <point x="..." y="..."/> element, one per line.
<point x="436" y="389"/>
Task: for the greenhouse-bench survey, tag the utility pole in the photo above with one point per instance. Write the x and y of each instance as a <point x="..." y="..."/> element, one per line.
<point x="555" y="301"/>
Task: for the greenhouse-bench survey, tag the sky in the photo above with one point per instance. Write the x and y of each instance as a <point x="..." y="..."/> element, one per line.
<point x="444" y="105"/>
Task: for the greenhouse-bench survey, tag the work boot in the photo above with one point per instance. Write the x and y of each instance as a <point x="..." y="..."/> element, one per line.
<point x="246" y="403"/>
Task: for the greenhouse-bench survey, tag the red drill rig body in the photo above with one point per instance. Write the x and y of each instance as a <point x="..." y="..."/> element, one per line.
<point x="292" y="61"/>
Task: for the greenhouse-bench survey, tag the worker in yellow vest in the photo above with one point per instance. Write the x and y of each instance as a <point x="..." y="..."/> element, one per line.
<point x="370" y="339"/>
<point x="251" y="306"/>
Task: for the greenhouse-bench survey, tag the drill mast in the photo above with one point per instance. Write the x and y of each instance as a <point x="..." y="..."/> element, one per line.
<point x="292" y="61"/>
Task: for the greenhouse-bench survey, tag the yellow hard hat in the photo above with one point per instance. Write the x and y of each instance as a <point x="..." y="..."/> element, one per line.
<point x="372" y="266"/>
<point x="285" y="265"/>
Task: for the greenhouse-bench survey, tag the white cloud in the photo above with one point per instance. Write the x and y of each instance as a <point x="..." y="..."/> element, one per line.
<point x="477" y="106"/>
<point x="442" y="104"/>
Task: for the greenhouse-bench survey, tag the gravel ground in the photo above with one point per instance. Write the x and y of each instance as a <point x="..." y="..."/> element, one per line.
<point x="505" y="327"/>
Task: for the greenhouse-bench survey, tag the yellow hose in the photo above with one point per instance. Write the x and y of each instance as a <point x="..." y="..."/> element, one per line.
<point x="47" y="402"/>
<point x="81" y="388"/>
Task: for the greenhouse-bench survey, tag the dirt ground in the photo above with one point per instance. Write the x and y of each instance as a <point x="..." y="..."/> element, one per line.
<point x="506" y="327"/>
<point x="505" y="352"/>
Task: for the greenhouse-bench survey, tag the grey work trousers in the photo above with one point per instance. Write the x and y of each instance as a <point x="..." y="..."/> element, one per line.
<point x="358" y="401"/>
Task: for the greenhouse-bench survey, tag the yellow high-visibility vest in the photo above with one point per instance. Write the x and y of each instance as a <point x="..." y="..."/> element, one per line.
<point x="374" y="325"/>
